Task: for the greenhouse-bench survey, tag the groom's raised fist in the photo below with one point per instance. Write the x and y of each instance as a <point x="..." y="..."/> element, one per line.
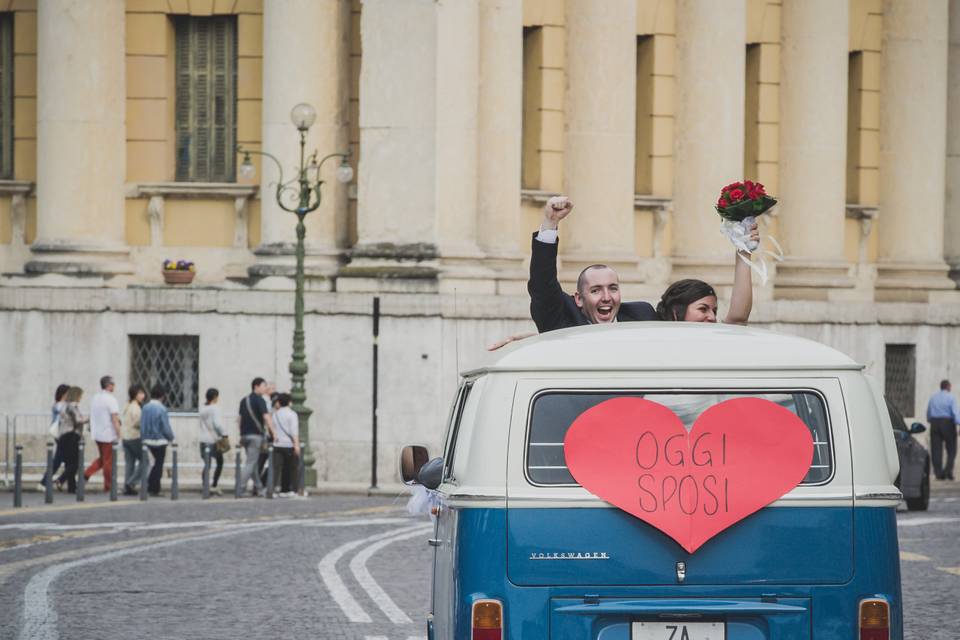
<point x="556" y="209"/>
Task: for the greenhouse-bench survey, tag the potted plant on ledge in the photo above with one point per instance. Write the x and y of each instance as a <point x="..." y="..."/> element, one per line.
<point x="178" y="271"/>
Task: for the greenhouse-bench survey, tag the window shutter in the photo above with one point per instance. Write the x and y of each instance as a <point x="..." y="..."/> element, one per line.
<point x="206" y="98"/>
<point x="6" y="95"/>
<point x="184" y="99"/>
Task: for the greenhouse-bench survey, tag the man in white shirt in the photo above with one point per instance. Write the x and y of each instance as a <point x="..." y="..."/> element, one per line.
<point x="105" y="428"/>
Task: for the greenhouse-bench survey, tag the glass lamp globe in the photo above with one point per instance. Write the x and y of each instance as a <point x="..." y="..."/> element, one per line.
<point x="303" y="116"/>
<point x="247" y="170"/>
<point x="344" y="172"/>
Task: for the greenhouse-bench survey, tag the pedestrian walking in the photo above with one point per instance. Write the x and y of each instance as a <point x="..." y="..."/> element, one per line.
<point x="943" y="416"/>
<point x="105" y="429"/>
<point x="211" y="430"/>
<point x="286" y="446"/>
<point x="156" y="433"/>
<point x="269" y="396"/>
<point x="132" y="443"/>
<point x="55" y="411"/>
<point x="255" y="424"/>
<point x="271" y="401"/>
<point x="71" y="431"/>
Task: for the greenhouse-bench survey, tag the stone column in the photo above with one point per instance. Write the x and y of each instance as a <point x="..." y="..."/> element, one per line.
<point x="952" y="216"/>
<point x="81" y="145"/>
<point x="457" y="113"/>
<point x="708" y="132"/>
<point x="813" y="136"/>
<point x="500" y="120"/>
<point x="599" y="150"/>
<point x="913" y="129"/>
<point x="397" y="212"/>
<point x="305" y="59"/>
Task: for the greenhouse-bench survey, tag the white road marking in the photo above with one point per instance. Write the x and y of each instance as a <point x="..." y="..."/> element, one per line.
<point x="917" y="522"/>
<point x="909" y="556"/>
<point x="359" y="568"/>
<point x="375" y="638"/>
<point x="331" y="579"/>
<point x="40" y="619"/>
<point x="53" y="526"/>
<point x="954" y="570"/>
<point x="117" y="527"/>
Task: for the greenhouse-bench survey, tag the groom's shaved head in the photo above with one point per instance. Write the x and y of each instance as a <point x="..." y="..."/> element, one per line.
<point x="598" y="293"/>
<point x="582" y="278"/>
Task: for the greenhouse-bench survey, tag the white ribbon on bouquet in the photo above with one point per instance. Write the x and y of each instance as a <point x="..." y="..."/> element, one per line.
<point x="738" y="233"/>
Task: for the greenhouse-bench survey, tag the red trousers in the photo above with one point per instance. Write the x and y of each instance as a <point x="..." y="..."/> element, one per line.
<point x="105" y="462"/>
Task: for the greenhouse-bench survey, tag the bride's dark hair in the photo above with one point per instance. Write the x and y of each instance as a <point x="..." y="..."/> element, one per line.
<point x="678" y="296"/>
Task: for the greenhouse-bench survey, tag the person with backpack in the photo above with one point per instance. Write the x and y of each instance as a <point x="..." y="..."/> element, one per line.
<point x="255" y="426"/>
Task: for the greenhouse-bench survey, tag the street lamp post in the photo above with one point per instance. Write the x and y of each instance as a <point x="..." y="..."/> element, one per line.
<point x="300" y="196"/>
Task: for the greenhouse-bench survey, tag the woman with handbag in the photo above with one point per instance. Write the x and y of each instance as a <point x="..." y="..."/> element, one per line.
<point x="212" y="437"/>
<point x="54" y="431"/>
<point x="71" y="430"/>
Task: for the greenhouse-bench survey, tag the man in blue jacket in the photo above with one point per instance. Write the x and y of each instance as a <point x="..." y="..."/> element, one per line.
<point x="156" y="433"/>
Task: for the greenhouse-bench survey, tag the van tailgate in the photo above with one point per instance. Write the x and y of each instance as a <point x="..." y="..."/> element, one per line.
<point x="693" y="618"/>
<point x="609" y="547"/>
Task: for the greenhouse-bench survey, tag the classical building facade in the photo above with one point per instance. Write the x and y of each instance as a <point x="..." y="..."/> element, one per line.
<point x="120" y="122"/>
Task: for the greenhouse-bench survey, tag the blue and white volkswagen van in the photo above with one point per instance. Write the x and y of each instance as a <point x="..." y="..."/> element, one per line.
<point x="523" y="552"/>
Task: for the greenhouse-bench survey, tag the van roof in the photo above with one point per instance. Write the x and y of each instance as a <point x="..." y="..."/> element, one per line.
<point x="665" y="346"/>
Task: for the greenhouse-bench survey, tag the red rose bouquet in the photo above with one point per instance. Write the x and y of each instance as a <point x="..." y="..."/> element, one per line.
<point x="739" y="205"/>
<point x="740" y="200"/>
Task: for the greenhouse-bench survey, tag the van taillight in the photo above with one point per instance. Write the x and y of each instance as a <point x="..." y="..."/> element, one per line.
<point x="874" y="619"/>
<point x="487" y="620"/>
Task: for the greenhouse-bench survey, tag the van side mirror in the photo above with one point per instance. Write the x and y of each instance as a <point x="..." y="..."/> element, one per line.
<point x="412" y="459"/>
<point x="917" y="427"/>
<point x="431" y="474"/>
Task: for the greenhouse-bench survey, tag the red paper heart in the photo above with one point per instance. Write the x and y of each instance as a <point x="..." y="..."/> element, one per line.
<point x="740" y="456"/>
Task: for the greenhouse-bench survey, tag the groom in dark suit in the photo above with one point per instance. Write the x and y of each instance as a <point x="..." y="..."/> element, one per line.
<point x="597" y="299"/>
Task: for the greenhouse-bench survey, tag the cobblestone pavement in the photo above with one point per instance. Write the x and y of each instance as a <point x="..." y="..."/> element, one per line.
<point x="346" y="567"/>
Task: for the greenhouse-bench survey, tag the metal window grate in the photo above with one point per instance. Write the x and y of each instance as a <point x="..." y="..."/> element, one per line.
<point x="206" y="98"/>
<point x="174" y="362"/>
<point x="900" y="382"/>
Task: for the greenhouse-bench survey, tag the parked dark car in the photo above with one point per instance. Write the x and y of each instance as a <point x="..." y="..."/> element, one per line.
<point x="914" y="478"/>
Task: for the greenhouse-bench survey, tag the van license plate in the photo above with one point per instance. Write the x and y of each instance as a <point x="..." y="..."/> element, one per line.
<point x="678" y="631"/>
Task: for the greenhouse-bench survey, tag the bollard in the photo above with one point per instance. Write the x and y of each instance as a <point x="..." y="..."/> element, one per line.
<point x="270" y="476"/>
<point x="81" y="478"/>
<point x="301" y="475"/>
<point x="174" y="486"/>
<point x="144" y="461"/>
<point x="205" y="492"/>
<point x="113" y="471"/>
<point x="48" y="486"/>
<point x="237" y="489"/>
<point x="18" y="478"/>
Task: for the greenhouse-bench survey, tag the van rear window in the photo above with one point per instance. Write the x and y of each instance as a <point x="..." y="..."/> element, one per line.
<point x="554" y="412"/>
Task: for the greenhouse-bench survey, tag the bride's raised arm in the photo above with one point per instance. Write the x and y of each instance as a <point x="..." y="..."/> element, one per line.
<point x="741" y="299"/>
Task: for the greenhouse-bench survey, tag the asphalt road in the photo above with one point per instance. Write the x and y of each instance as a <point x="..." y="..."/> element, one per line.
<point x="344" y="567"/>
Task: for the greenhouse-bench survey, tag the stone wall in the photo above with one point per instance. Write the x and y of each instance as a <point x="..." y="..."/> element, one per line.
<point x="77" y="335"/>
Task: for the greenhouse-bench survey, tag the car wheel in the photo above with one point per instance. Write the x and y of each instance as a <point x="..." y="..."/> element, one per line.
<point x="921" y="502"/>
